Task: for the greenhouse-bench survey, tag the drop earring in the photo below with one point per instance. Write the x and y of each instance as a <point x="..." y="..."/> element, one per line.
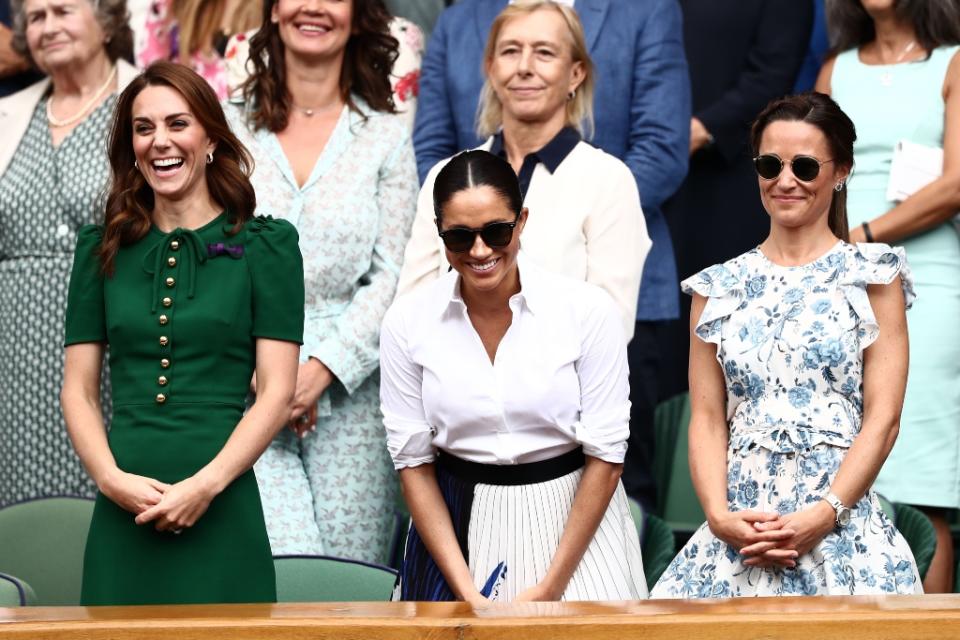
<point x="839" y="187"/>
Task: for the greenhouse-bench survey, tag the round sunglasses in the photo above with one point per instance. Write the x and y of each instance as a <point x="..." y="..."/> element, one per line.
<point x="494" y="235"/>
<point x="805" y="168"/>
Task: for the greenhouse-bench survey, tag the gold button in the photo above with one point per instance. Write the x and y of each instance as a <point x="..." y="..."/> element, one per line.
<point x="162" y="380"/>
<point x="164" y="363"/>
<point x="163" y="341"/>
<point x="170" y="282"/>
<point x="161" y="398"/>
<point x="171" y="261"/>
<point x="163" y="319"/>
<point x="167" y="302"/>
<point x="174" y="245"/>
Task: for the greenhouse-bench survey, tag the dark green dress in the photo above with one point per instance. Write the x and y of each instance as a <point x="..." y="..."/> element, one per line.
<point x="181" y="315"/>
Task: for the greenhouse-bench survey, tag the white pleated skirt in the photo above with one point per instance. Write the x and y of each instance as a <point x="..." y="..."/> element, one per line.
<point x="509" y="535"/>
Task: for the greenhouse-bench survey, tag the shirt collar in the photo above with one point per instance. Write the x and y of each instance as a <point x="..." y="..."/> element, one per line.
<point x="450" y="296"/>
<point x="551" y="154"/>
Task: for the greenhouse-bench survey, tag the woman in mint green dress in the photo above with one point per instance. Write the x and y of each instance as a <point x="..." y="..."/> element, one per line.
<point x="191" y="293"/>
<point x="898" y="77"/>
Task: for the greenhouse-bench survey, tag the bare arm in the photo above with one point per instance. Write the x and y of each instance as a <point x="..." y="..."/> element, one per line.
<point x="823" y="78"/>
<point x="184" y="503"/>
<point x="939" y="201"/>
<point x="709" y="437"/>
<point x="80" y="399"/>
<point x="597" y="485"/>
<point x="432" y="519"/>
<point x="885" y="364"/>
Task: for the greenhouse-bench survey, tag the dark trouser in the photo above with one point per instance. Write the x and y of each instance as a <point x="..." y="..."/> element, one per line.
<point x="643" y="355"/>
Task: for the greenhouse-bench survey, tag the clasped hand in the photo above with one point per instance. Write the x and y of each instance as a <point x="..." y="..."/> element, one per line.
<point x="171" y="507"/>
<point x="313" y="379"/>
<point x="772" y="540"/>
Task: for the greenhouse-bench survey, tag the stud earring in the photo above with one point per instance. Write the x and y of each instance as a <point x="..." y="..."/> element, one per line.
<point x="210" y="157"/>
<point x="135" y="165"/>
<point x="572" y="95"/>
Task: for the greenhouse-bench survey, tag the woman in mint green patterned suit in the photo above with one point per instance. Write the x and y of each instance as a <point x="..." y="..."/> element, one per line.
<point x="904" y="84"/>
<point x="334" y="159"/>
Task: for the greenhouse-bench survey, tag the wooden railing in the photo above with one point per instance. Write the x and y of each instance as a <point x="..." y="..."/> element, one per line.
<point x="821" y="618"/>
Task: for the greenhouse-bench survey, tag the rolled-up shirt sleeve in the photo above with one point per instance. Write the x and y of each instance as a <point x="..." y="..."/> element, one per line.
<point x="409" y="436"/>
<point x="602" y="368"/>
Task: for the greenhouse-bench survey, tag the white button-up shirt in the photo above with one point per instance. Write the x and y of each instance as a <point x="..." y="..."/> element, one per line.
<point x="559" y="378"/>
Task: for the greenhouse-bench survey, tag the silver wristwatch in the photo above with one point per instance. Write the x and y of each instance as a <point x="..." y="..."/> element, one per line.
<point x="842" y="511"/>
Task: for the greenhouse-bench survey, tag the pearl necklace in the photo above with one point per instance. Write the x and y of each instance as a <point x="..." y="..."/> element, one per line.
<point x="56" y="122"/>
<point x="886" y="78"/>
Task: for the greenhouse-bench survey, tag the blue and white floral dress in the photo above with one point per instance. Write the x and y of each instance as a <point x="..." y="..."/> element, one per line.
<point x="790" y="341"/>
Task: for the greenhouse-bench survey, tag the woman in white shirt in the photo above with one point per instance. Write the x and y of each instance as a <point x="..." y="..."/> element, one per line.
<point x="505" y="398"/>
<point x="537" y="102"/>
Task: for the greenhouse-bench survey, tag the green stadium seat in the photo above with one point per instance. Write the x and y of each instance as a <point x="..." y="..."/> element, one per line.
<point x="328" y="579"/>
<point x="678" y="501"/>
<point x="659" y="548"/>
<point x="43" y="544"/>
<point x="919" y="533"/>
<point x="14" y="592"/>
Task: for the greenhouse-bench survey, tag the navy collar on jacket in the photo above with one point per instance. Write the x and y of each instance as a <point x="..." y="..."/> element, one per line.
<point x="551" y="154"/>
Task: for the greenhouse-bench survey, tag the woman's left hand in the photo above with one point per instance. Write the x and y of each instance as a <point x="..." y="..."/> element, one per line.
<point x="181" y="506"/>
<point x="538" y="593"/>
<point x="809" y="525"/>
<point x="313" y="378"/>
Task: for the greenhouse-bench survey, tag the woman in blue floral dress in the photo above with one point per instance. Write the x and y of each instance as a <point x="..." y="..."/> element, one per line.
<point x="797" y="382"/>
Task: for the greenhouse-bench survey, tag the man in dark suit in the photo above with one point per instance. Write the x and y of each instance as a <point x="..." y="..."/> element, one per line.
<point x="642" y="115"/>
<point x="742" y="54"/>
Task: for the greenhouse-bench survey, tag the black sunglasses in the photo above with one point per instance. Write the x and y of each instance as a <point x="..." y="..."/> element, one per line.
<point x="805" y="168"/>
<point x="494" y="235"/>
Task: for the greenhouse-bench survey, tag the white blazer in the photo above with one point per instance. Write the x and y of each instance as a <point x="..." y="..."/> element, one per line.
<point x="17" y="109"/>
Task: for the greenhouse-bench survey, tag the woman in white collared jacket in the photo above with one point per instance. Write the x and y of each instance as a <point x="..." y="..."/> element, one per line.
<point x="53" y="169"/>
<point x="537" y="103"/>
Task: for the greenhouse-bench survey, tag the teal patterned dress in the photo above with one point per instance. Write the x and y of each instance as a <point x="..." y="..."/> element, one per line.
<point x="46" y="194"/>
<point x="790" y="341"/>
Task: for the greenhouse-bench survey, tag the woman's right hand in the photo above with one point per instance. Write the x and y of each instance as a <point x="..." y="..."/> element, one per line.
<point x="133" y="493"/>
<point x="739" y="530"/>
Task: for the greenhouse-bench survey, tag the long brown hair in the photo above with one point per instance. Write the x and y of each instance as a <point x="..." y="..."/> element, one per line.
<point x="130" y="200"/>
<point x="367" y="64"/>
<point x="826" y="115"/>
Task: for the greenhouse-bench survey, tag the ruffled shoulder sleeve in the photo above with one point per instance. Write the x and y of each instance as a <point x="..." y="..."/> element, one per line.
<point x="85" y="318"/>
<point x="873" y="263"/>
<point x="276" y="276"/>
<point x="724" y="290"/>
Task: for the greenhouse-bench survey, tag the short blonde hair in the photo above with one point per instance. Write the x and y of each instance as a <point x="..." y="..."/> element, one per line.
<point x="579" y="109"/>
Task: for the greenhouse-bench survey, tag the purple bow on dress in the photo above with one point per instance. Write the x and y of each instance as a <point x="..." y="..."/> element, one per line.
<point x="220" y="249"/>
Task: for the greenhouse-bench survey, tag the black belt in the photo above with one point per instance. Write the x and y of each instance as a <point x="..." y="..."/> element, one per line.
<point x="511" y="474"/>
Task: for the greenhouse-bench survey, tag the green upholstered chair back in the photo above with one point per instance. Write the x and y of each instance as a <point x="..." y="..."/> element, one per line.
<point x="43" y="544"/>
<point x="327" y="579"/>
<point x="659" y="549"/>
<point x="14" y="592"/>
<point x="678" y="501"/>
<point x="918" y="531"/>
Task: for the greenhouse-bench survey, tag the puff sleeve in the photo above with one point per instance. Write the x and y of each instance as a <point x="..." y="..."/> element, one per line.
<point x="85" y="318"/>
<point x="724" y="292"/>
<point x="874" y="263"/>
<point x="276" y="277"/>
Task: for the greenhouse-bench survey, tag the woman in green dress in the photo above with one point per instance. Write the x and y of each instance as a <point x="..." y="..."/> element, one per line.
<point x="191" y="293"/>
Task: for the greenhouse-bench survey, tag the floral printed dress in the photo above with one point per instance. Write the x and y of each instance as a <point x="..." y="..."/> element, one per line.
<point x="790" y="341"/>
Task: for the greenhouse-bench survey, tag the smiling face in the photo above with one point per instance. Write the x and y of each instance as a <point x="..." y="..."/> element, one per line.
<point x="314" y="28"/>
<point x="789" y="201"/>
<point x="62" y="33"/>
<point x="483" y="269"/>
<point x="532" y="70"/>
<point x="169" y="144"/>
